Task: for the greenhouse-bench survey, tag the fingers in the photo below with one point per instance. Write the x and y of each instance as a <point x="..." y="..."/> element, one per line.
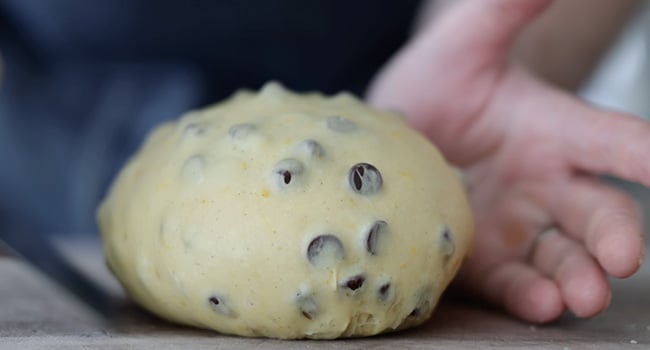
<point x="469" y="37"/>
<point x="523" y="292"/>
<point x="580" y="279"/>
<point x="605" y="219"/>
<point x="449" y="70"/>
<point x="484" y="29"/>
<point x="604" y="142"/>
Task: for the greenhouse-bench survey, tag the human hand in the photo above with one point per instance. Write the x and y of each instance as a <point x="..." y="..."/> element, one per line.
<point x="530" y="153"/>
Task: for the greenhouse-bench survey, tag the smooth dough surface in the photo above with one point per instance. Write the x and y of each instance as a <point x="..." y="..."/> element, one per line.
<point x="288" y="216"/>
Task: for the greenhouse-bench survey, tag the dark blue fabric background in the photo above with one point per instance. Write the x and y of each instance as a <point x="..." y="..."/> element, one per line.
<point x="85" y="80"/>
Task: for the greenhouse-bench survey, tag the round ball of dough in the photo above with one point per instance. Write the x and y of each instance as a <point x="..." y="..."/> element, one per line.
<point x="288" y="216"/>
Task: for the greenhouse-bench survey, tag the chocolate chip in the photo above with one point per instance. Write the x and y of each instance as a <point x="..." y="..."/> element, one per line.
<point x="194" y="129"/>
<point x="415" y="313"/>
<point x="287" y="169"/>
<point x="365" y="179"/>
<point x="353" y="283"/>
<point x="286" y="176"/>
<point x="447" y="245"/>
<point x="312" y="148"/>
<point x="384" y="288"/>
<point x="340" y="124"/>
<point x="383" y="291"/>
<point x="378" y="228"/>
<point x="423" y="304"/>
<point x="325" y="251"/>
<point x="307" y="305"/>
<point x="241" y="131"/>
<point x="218" y="304"/>
<point x="192" y="170"/>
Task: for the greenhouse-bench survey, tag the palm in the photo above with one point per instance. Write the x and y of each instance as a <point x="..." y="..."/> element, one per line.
<point x="527" y="151"/>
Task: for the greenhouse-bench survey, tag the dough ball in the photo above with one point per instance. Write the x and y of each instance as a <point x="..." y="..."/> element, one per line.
<point x="289" y="216"/>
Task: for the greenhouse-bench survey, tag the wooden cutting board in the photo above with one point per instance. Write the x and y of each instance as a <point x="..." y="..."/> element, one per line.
<point x="36" y="313"/>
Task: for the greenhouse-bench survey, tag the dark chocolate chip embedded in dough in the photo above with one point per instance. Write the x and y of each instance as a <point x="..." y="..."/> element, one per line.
<point x="286" y="176"/>
<point x="383" y="291"/>
<point x="365" y="179"/>
<point x="353" y="283"/>
<point x="325" y="250"/>
<point x="340" y="124"/>
<point x="218" y="304"/>
<point x="241" y="131"/>
<point x="377" y="230"/>
<point x="192" y="170"/>
<point x="288" y="169"/>
<point x="194" y="129"/>
<point x="312" y="148"/>
<point x="447" y="245"/>
<point x="307" y="305"/>
<point x="415" y="313"/>
<point x="423" y="304"/>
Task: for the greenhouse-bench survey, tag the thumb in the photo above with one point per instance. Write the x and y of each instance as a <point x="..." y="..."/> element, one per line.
<point x="449" y="66"/>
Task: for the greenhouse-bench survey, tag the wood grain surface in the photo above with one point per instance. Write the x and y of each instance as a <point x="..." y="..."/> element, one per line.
<point x="37" y="313"/>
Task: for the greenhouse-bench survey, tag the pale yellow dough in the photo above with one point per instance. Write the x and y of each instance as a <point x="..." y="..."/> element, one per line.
<point x="202" y="228"/>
